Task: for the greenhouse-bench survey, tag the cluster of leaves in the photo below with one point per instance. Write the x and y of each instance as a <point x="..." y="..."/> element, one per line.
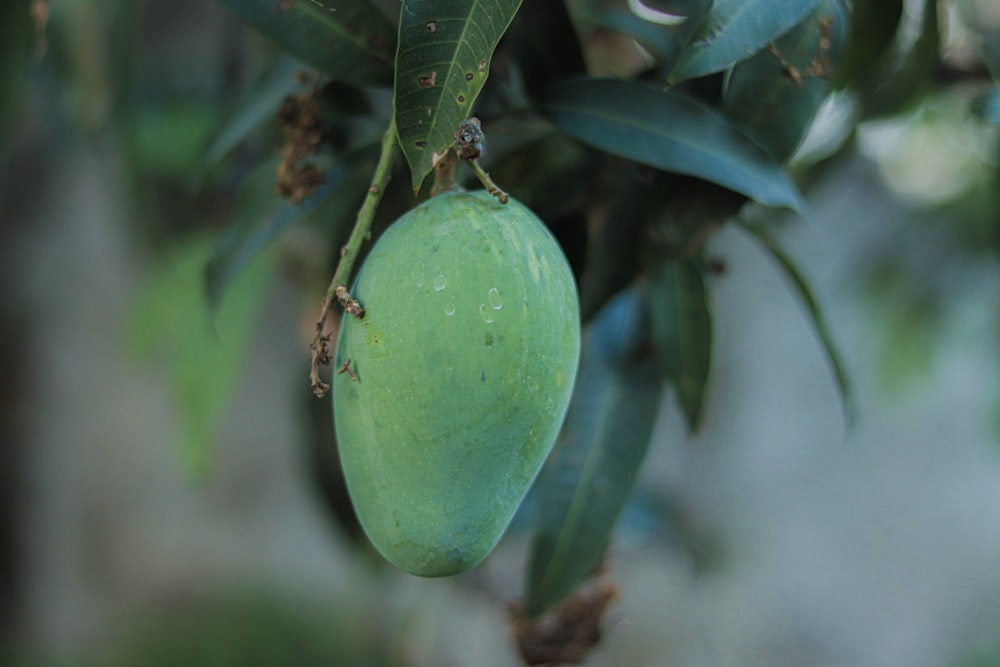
<point x="707" y="104"/>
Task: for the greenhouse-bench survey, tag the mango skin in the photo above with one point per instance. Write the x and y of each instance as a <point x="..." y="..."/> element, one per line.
<point x="464" y="361"/>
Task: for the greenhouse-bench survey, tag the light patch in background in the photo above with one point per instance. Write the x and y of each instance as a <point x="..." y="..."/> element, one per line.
<point x="933" y="156"/>
<point x="654" y="15"/>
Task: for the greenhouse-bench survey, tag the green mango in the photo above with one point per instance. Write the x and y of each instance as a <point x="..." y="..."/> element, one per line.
<point x="456" y="381"/>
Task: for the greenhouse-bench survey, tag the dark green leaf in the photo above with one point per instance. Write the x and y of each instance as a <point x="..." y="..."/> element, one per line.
<point x="804" y="292"/>
<point x="17" y="34"/>
<point x="267" y="216"/>
<point x="775" y="95"/>
<point x="613" y="253"/>
<point x="669" y="131"/>
<point x="254" y="108"/>
<point x="873" y="29"/>
<point x="663" y="41"/>
<point x="205" y="354"/>
<point x="682" y="333"/>
<point x="895" y="88"/>
<point x="444" y="57"/>
<point x="736" y="29"/>
<point x="553" y="174"/>
<point x="590" y="474"/>
<point x="544" y="45"/>
<point x="350" y="41"/>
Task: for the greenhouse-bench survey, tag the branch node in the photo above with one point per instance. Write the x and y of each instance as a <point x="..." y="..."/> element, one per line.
<point x="350" y="304"/>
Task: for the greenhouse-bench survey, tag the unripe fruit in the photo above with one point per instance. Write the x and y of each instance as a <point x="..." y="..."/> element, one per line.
<point x="460" y="374"/>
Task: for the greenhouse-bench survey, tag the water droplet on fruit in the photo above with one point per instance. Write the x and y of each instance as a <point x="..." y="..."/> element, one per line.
<point x="440" y="283"/>
<point x="485" y="312"/>
<point x="496" y="303"/>
<point x="449" y="309"/>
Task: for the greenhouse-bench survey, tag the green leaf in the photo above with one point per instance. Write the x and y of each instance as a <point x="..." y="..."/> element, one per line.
<point x="874" y="24"/>
<point x="736" y="29"/>
<point x="444" y="57"/>
<point x="669" y="131"/>
<point x="266" y="216"/>
<point x="590" y="474"/>
<point x="664" y="42"/>
<point x="255" y="107"/>
<point x="775" y="95"/>
<point x="350" y="41"/>
<point x="682" y="333"/>
<point x="205" y="355"/>
<point x="804" y="292"/>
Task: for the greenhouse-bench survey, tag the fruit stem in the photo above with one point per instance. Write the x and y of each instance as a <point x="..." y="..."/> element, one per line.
<point x="487" y="182"/>
<point x="337" y="291"/>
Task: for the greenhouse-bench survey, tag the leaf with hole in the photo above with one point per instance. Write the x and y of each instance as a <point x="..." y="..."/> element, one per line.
<point x="443" y="60"/>
<point x="350" y="41"/>
<point x="591" y="472"/>
<point x="735" y="30"/>
<point x="775" y="95"/>
<point x="670" y="131"/>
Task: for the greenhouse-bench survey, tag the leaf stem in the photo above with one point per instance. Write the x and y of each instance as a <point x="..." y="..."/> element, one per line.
<point x="337" y="291"/>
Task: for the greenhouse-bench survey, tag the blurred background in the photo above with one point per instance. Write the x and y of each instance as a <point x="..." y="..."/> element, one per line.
<point x="165" y="493"/>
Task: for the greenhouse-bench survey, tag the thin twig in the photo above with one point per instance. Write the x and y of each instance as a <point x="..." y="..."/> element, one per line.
<point x="337" y="291"/>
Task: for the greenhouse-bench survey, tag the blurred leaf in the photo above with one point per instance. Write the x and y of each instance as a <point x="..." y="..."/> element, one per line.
<point x="664" y="42"/>
<point x="893" y="89"/>
<point x="350" y="41"/>
<point x="775" y="95"/>
<point x="590" y="474"/>
<point x="991" y="107"/>
<point x="736" y="29"/>
<point x="873" y="29"/>
<point x="543" y="43"/>
<point x="16" y="30"/>
<point x="255" y="107"/>
<point x="263" y="219"/>
<point x="171" y="319"/>
<point x="804" y="292"/>
<point x="170" y="140"/>
<point x="443" y="61"/>
<point x="669" y="131"/>
<point x="681" y="323"/>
